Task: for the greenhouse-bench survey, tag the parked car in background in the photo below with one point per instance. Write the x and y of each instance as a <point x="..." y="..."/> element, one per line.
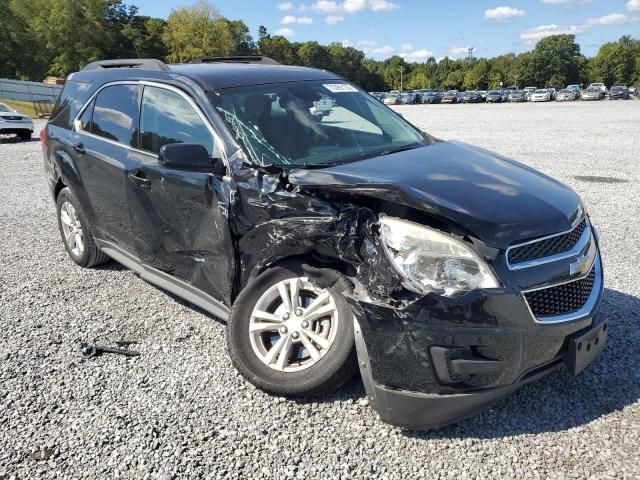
<point x="471" y="97"/>
<point x="378" y="95"/>
<point x="566" y="95"/>
<point x="517" y="96"/>
<point x="494" y="96"/>
<point x="452" y="96"/>
<point x="552" y="92"/>
<point x="409" y="98"/>
<point x="529" y="91"/>
<point x="391" y="99"/>
<point x="575" y="89"/>
<point x="593" y="93"/>
<point x="601" y="88"/>
<point x="619" y="92"/>
<point x="483" y="95"/>
<point x="541" y="95"/>
<point x="14" y="122"/>
<point x="431" y="96"/>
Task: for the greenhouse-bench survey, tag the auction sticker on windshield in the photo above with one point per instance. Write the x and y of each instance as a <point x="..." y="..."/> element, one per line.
<point x="339" y="87"/>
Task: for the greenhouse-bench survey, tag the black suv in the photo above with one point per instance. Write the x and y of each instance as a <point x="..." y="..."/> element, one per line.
<point x="449" y="275"/>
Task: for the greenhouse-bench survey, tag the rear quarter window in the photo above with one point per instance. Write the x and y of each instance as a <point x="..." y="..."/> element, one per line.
<point x="69" y="103"/>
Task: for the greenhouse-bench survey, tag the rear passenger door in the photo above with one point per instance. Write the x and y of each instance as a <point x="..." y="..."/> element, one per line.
<point x="180" y="217"/>
<point x="105" y="133"/>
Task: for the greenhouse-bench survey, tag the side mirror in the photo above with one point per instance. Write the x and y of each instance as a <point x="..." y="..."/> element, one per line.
<point x="189" y="156"/>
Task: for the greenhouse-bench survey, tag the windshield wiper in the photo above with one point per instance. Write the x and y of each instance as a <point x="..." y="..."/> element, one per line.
<point x="391" y="151"/>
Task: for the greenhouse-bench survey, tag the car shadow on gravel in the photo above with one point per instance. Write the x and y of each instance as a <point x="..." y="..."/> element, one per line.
<point x="561" y="401"/>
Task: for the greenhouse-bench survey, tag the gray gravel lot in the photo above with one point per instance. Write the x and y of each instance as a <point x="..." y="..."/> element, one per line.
<point x="180" y="410"/>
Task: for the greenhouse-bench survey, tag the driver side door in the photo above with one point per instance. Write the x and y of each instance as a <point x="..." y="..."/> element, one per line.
<point x="180" y="217"/>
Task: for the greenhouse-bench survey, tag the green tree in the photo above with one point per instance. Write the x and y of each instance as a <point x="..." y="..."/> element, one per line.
<point x="418" y="79"/>
<point x="14" y="32"/>
<point x="477" y="76"/>
<point x="197" y="32"/>
<point x="556" y="58"/>
<point x="312" y="54"/>
<point x="276" y="47"/>
<point x="454" y="80"/>
<point x="616" y="62"/>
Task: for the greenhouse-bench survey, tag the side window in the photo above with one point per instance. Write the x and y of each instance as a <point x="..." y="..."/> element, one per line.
<point x="166" y="117"/>
<point x="85" y="118"/>
<point x="115" y="113"/>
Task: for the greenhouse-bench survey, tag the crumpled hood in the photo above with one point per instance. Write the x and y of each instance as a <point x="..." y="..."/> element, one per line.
<point x="499" y="200"/>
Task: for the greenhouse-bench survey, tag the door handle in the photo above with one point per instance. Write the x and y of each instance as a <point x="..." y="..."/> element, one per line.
<point x="78" y="147"/>
<point x="139" y="179"/>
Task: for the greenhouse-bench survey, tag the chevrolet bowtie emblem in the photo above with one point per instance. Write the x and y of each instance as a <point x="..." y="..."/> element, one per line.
<point x="578" y="265"/>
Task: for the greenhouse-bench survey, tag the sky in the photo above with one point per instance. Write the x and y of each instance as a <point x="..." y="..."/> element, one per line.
<point x="418" y="29"/>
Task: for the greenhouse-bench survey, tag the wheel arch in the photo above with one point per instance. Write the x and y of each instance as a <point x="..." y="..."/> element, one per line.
<point x="58" y="187"/>
<point x="312" y="258"/>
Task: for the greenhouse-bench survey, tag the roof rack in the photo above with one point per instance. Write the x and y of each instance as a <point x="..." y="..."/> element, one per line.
<point x="238" y="59"/>
<point x="140" y="63"/>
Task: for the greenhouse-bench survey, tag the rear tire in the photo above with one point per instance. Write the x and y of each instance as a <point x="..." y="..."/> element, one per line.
<point x="76" y="232"/>
<point x="295" y="351"/>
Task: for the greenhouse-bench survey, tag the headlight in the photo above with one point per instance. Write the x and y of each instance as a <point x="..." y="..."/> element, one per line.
<point x="432" y="261"/>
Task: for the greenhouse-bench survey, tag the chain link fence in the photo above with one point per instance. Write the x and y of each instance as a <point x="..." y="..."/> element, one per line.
<point x="28" y="91"/>
<point x="41" y="95"/>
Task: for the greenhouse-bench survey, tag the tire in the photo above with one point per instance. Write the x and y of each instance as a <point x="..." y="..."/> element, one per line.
<point x="25" y="135"/>
<point x="88" y="255"/>
<point x="333" y="368"/>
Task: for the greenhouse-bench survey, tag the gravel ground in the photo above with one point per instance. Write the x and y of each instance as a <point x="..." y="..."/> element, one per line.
<point x="180" y="410"/>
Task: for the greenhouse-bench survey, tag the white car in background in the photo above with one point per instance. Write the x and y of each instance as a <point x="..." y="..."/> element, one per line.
<point x="392" y="99"/>
<point x="541" y="95"/>
<point x="528" y="92"/>
<point x="566" y="95"/>
<point x="601" y="86"/>
<point x="14" y="122"/>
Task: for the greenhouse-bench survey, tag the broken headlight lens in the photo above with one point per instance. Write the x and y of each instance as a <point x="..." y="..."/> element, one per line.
<point x="432" y="261"/>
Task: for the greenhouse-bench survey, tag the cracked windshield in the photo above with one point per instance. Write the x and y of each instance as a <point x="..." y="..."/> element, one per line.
<point x="313" y="123"/>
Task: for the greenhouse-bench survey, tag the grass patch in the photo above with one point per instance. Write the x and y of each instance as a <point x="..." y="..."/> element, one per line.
<point x="26" y="108"/>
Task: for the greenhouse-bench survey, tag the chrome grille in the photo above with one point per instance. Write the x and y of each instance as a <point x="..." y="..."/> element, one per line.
<point x="561" y="299"/>
<point x="547" y="247"/>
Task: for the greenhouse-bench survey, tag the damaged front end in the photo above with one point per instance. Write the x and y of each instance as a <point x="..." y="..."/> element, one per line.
<point x="418" y="236"/>
<point x="426" y="359"/>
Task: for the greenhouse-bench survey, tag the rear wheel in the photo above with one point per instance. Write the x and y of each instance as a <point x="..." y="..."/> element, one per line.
<point x="288" y="336"/>
<point x="76" y="234"/>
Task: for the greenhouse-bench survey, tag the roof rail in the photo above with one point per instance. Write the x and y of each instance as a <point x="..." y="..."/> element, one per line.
<point x="140" y="63"/>
<point x="238" y="59"/>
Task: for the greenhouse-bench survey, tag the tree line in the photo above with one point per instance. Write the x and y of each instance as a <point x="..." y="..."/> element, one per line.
<point x="56" y="37"/>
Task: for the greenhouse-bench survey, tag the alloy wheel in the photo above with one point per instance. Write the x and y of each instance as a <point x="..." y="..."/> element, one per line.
<point x="293" y="325"/>
<point x="72" y="229"/>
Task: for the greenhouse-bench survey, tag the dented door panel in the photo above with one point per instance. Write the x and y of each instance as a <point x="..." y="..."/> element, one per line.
<point x="181" y="224"/>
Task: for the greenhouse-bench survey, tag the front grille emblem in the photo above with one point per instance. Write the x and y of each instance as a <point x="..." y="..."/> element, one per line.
<point x="578" y="265"/>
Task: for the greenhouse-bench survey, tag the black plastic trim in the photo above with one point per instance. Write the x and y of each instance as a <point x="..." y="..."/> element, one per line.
<point x="165" y="281"/>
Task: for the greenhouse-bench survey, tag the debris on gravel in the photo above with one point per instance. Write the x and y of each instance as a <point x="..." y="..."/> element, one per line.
<point x="180" y="410"/>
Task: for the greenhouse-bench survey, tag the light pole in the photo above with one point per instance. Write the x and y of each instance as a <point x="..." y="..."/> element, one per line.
<point x="401" y="70"/>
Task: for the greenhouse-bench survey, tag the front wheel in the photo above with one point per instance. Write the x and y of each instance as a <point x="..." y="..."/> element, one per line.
<point x="288" y="336"/>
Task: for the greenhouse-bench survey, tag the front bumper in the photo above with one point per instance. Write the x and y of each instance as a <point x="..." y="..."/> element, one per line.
<point x="491" y="335"/>
<point x="15" y="127"/>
